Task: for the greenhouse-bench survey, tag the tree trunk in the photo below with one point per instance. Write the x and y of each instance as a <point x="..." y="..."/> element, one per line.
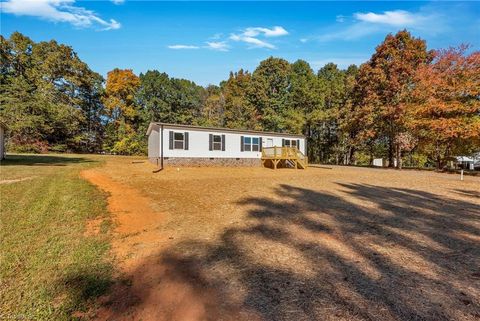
<point x="391" y="153"/>
<point x="399" y="156"/>
<point x="351" y="156"/>
<point x="439" y="163"/>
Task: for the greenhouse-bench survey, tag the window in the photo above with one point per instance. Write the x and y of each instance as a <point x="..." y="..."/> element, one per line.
<point x="217" y="142"/>
<point x="247" y="144"/>
<point x="251" y="144"/>
<point x="290" y="143"/>
<point x="178" y="140"/>
<point x="255" y="144"/>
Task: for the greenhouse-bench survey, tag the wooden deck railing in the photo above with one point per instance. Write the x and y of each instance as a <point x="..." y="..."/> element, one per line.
<point x="285" y="155"/>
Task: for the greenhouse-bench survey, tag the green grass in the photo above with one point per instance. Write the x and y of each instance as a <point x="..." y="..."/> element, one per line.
<point x="48" y="267"/>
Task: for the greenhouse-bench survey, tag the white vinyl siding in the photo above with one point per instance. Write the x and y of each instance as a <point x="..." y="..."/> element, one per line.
<point x="230" y="146"/>
<point x="154" y="143"/>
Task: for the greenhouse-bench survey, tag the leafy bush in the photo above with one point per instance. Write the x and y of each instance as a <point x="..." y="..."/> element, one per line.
<point x="35" y="147"/>
<point x="59" y="148"/>
<point x="415" y="160"/>
<point x="363" y="159"/>
<point x="130" y="145"/>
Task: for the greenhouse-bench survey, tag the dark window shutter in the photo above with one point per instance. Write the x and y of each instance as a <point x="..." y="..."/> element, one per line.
<point x="283" y="142"/>
<point x="210" y="142"/>
<point x="241" y="143"/>
<point x="298" y="144"/>
<point x="223" y="142"/>
<point x="186" y="141"/>
<point x="170" y="140"/>
<point x="260" y="144"/>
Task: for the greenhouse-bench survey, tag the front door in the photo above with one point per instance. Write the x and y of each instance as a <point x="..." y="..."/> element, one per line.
<point x="269" y="142"/>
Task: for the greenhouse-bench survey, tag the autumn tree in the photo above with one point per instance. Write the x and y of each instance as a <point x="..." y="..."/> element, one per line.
<point x="445" y="110"/>
<point x="123" y="112"/>
<point x="384" y="89"/>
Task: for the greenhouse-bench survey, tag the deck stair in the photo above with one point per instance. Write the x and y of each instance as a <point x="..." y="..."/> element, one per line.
<point x="277" y="157"/>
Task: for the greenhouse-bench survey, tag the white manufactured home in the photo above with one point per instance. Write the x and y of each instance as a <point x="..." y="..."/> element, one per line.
<point x="194" y="145"/>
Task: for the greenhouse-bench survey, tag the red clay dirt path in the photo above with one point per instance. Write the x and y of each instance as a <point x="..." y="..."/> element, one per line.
<point x="148" y="289"/>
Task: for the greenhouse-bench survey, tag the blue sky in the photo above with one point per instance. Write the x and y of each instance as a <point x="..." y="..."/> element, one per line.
<point x="204" y="41"/>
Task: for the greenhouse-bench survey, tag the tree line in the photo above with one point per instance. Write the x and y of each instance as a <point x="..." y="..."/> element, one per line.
<point x="407" y="104"/>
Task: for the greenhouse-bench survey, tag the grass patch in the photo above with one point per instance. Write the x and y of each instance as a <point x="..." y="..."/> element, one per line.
<point x="48" y="267"/>
<point x="106" y="226"/>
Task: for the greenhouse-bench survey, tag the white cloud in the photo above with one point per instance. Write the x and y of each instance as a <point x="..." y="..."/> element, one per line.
<point x="58" y="11"/>
<point x="254" y="42"/>
<point x="274" y="32"/>
<point x="182" y="47"/>
<point x="213" y="45"/>
<point x="117" y="1"/>
<point x="217" y="45"/>
<point x="303" y="40"/>
<point x="398" y="18"/>
<point x="340" y="18"/>
<point x="251" y="36"/>
<point x="365" y="24"/>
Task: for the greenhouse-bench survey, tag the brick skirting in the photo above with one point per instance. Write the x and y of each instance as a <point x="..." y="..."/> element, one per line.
<point x="205" y="161"/>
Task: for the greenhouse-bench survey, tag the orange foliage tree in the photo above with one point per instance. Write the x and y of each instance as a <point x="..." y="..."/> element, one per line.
<point x="383" y="89"/>
<point x="120" y="94"/>
<point x="445" y="111"/>
<point x="119" y="101"/>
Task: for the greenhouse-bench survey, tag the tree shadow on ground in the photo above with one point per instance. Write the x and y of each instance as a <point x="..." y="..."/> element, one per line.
<point x="42" y="160"/>
<point x="369" y="252"/>
<point x="468" y="193"/>
<point x="83" y="287"/>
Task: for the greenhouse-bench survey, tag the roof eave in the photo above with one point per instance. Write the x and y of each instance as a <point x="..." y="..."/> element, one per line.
<point x="226" y="129"/>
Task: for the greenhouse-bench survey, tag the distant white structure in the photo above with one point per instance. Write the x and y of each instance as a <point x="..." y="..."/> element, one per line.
<point x="378" y="162"/>
<point x="382" y="162"/>
<point x="469" y="162"/>
<point x="196" y="145"/>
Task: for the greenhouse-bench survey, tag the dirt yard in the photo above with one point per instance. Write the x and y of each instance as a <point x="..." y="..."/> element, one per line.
<point x="316" y="244"/>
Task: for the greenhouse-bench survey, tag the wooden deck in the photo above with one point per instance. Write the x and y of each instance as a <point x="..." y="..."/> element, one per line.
<point x="289" y="157"/>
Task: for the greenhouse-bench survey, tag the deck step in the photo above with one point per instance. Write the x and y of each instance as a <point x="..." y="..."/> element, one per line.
<point x="284" y="157"/>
